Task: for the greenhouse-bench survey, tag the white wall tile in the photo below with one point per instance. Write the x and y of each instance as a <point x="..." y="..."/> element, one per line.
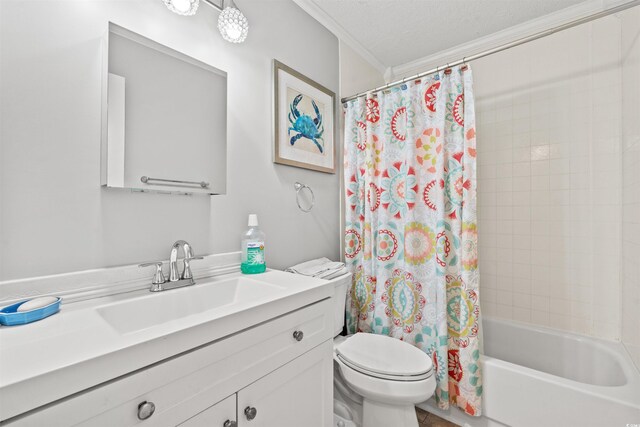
<point x="521" y="169"/>
<point x="540" y="167"/>
<point x="540" y="317"/>
<point x="555" y="185"/>
<point x="540" y="183"/>
<point x="521" y="183"/>
<point x="521" y="314"/>
<point x="540" y="303"/>
<point x="540" y="152"/>
<point x="630" y="248"/>
<point x="522" y="300"/>
<point x="504" y="311"/>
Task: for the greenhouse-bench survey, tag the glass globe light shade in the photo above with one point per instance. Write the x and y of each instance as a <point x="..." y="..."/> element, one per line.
<point x="233" y="25"/>
<point x="182" y="7"/>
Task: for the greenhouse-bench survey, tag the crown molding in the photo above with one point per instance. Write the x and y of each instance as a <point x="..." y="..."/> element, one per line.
<point x="507" y="35"/>
<point x="330" y="24"/>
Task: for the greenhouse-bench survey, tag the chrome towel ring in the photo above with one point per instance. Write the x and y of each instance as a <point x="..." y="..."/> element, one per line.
<point x="299" y="187"/>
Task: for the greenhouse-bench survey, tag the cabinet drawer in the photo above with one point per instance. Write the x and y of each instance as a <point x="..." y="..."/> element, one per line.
<point x="191" y="382"/>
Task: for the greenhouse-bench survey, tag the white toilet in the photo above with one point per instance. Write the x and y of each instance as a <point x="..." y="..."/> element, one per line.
<point x="377" y="379"/>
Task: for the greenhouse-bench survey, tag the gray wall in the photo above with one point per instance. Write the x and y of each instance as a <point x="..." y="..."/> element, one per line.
<point x="55" y="217"/>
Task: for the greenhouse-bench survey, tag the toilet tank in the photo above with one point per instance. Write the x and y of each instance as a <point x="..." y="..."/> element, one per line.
<point x="341" y="284"/>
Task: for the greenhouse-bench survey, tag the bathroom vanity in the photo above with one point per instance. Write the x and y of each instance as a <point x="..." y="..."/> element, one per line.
<point x="231" y="350"/>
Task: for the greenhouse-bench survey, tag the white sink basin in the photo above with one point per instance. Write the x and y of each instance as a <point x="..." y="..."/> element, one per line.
<point x="159" y="308"/>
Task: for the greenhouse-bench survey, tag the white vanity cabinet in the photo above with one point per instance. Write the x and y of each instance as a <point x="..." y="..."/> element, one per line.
<point x="281" y="367"/>
<point x="294" y="395"/>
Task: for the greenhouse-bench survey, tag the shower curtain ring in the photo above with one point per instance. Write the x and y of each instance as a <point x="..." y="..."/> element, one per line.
<point x="447" y="69"/>
<point x="465" y="66"/>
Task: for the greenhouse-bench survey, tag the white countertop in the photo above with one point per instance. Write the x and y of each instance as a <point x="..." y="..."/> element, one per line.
<point x="76" y="349"/>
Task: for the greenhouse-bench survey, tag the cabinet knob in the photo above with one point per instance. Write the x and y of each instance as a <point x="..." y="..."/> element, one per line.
<point x="230" y="423"/>
<point x="250" y="412"/>
<point x="145" y="410"/>
<point x="298" y="335"/>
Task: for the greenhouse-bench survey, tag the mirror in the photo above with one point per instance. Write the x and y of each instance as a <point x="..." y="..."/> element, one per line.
<point x="164" y="119"/>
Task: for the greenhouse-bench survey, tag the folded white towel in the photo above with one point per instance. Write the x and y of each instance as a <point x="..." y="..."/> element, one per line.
<point x="335" y="274"/>
<point x="323" y="268"/>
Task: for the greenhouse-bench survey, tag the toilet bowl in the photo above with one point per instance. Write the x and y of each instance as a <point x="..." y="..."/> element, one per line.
<point x="377" y="379"/>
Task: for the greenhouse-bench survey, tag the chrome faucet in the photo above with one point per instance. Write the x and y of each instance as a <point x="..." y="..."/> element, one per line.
<point x="176" y="280"/>
<point x="173" y="261"/>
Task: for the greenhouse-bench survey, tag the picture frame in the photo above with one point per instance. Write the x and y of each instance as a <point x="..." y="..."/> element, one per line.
<point x="304" y="121"/>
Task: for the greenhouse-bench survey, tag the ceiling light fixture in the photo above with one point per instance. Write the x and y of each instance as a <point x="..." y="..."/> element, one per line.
<point x="182" y="7"/>
<point x="233" y="25"/>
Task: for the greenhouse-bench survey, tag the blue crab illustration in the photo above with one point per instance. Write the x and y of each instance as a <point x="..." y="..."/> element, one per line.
<point x="306" y="127"/>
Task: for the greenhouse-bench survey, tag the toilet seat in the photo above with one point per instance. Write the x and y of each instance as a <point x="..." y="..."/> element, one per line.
<point x="383" y="357"/>
<point x="384" y="376"/>
<point x="385" y="391"/>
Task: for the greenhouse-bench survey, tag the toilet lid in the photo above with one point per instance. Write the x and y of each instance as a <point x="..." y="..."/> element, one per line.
<point x="380" y="354"/>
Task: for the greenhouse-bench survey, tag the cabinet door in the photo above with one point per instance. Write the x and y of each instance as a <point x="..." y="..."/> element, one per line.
<point x="299" y="393"/>
<point x="222" y="414"/>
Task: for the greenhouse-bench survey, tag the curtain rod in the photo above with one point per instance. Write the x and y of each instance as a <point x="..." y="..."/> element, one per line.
<point x="505" y="46"/>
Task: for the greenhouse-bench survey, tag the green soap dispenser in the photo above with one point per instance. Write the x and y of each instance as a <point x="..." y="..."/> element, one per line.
<point x="252" y="248"/>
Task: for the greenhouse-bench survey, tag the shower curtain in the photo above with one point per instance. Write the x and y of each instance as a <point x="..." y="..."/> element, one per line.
<point x="411" y="233"/>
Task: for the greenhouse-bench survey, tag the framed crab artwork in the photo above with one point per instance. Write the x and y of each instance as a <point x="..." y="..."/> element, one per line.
<point x="304" y="128"/>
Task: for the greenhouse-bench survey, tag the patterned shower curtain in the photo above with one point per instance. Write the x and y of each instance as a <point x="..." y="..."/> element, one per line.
<point x="411" y="234"/>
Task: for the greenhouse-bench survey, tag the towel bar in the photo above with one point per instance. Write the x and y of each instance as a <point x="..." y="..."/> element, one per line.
<point x="202" y="184"/>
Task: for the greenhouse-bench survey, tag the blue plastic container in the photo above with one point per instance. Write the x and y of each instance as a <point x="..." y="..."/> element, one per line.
<point x="9" y="315"/>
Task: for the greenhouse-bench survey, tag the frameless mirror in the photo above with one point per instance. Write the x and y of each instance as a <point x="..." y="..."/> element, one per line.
<point x="164" y="118"/>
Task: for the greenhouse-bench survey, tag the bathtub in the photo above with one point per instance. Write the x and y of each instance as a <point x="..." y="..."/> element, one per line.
<point x="540" y="377"/>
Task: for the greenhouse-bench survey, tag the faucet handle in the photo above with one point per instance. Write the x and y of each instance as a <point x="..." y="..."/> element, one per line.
<point x="158" y="277"/>
<point x="186" y="273"/>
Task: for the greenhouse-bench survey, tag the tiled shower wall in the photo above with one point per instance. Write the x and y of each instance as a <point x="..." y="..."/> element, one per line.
<point x="550" y="180"/>
<point x="631" y="183"/>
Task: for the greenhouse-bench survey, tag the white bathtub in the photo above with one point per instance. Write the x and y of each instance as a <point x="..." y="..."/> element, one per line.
<point x="540" y="377"/>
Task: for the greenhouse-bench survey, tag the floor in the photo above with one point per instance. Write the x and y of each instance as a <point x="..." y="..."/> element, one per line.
<point x="429" y="420"/>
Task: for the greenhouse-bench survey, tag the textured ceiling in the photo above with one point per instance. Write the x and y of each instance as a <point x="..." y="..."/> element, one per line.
<point x="400" y="31"/>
